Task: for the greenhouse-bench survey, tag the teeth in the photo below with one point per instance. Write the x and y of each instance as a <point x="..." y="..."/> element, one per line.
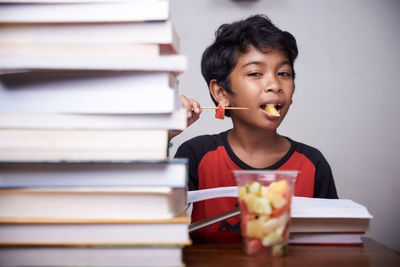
<point x="270" y="108"/>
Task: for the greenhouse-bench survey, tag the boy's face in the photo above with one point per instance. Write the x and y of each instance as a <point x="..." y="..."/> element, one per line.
<point x="259" y="79"/>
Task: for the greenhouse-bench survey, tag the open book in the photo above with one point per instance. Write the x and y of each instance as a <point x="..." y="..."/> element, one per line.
<point x="309" y="216"/>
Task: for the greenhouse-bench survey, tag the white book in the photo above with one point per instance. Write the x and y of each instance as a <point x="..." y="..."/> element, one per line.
<point x="39" y="120"/>
<point x="326" y="238"/>
<point x="112" y="232"/>
<point x="81" y="52"/>
<point x="76" y="204"/>
<point x="111" y="11"/>
<point x="328" y="215"/>
<point x="304" y="207"/>
<point x="170" y="173"/>
<point x="204" y="194"/>
<point x="47" y="256"/>
<point x="66" y="1"/>
<point x="79" y="145"/>
<point x="308" y="215"/>
<point x="173" y="63"/>
<point x="89" y="92"/>
<point x="151" y="32"/>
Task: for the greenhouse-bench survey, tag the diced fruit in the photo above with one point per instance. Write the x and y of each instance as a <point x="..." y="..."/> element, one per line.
<point x="270" y="108"/>
<point x="277" y="200"/>
<point x="242" y="192"/>
<point x="275" y="223"/>
<point x="271" y="239"/>
<point x="279" y="250"/>
<point x="279" y="187"/>
<point x="255" y="188"/>
<point x="261" y="206"/>
<point x="253" y="245"/>
<point x="249" y="200"/>
<point x="245" y="218"/>
<point x="264" y="191"/>
<point x="255" y="228"/>
<point x="280" y="230"/>
<point x="278" y="212"/>
<point x="220" y="112"/>
<point x="265" y="215"/>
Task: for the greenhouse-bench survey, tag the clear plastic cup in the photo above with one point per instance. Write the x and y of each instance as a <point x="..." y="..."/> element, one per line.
<point x="265" y="201"/>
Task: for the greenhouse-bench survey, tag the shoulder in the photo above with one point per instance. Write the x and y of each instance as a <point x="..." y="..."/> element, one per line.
<point x="200" y="145"/>
<point x="312" y="153"/>
<point x="194" y="150"/>
<point x="324" y="185"/>
<point x="209" y="140"/>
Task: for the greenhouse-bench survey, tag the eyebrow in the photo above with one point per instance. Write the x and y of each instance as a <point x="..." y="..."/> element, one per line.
<point x="260" y="63"/>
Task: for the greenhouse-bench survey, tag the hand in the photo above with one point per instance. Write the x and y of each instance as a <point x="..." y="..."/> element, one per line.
<point x="193" y="113"/>
<point x="193" y="109"/>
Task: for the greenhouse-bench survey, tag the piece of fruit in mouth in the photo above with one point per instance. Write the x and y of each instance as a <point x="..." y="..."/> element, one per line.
<point x="271" y="109"/>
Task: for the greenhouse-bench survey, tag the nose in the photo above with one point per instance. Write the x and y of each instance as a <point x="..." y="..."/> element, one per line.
<point x="273" y="84"/>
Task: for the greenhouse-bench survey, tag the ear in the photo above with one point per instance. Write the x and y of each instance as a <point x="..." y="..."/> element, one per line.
<point x="218" y="93"/>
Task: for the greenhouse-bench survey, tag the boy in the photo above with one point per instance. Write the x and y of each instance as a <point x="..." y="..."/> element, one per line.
<point x="250" y="64"/>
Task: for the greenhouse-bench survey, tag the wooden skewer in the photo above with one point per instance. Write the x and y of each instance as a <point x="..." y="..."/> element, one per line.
<point x="225" y="108"/>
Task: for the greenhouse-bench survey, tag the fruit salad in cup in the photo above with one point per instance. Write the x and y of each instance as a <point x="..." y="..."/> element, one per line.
<point x="265" y="216"/>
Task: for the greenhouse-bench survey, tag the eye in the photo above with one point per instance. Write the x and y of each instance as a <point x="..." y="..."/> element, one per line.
<point x="254" y="74"/>
<point x="285" y="74"/>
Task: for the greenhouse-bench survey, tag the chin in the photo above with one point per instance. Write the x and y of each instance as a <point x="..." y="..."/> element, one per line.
<point x="272" y="125"/>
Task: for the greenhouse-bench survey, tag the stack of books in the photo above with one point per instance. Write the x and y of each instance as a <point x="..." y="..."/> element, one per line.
<point x="88" y="93"/>
<point x="328" y="221"/>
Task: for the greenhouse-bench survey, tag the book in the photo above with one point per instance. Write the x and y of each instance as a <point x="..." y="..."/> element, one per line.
<point x="65" y="1"/>
<point x="170" y="173"/>
<point x="328" y="215"/>
<point x="172" y="231"/>
<point x="332" y="224"/>
<point x="308" y="215"/>
<point x="328" y="221"/>
<point x="89" y="92"/>
<point x="325" y="238"/>
<point x="72" y="204"/>
<point x="15" y="64"/>
<point x="76" y="145"/>
<point x="76" y="52"/>
<point x="175" y="120"/>
<point x="151" y="32"/>
<point x="111" y="11"/>
<point x="225" y="191"/>
<point x="91" y="256"/>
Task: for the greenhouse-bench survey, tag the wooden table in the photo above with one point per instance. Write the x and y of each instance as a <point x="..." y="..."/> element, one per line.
<point x="371" y="253"/>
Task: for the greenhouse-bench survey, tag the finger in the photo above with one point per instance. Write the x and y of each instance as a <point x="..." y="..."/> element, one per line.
<point x="195" y="106"/>
<point x="186" y="105"/>
<point x="195" y="116"/>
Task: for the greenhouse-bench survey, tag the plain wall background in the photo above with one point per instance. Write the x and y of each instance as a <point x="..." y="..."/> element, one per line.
<point x="347" y="99"/>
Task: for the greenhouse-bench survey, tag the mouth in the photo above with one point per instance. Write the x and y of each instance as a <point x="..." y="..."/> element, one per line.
<point x="272" y="110"/>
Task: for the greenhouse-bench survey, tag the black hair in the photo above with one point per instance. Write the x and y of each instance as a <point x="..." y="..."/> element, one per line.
<point x="232" y="40"/>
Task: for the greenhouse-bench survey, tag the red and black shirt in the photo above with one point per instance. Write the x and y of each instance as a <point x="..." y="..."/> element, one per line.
<point x="211" y="161"/>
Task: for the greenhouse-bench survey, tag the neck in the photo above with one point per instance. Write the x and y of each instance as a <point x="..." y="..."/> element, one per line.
<point x="255" y="140"/>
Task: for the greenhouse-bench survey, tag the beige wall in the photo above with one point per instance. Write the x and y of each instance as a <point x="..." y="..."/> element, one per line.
<point x="347" y="99"/>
